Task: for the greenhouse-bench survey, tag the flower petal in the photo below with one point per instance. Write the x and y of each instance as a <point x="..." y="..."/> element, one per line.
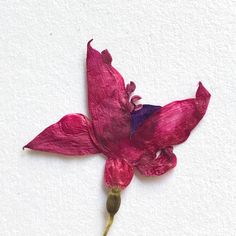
<point x="173" y="123"/>
<point x="135" y="98"/>
<point x="107" y="98"/>
<point x="130" y="88"/>
<point x="118" y="173"/>
<point x="139" y="116"/>
<point x="150" y="166"/>
<point x="70" y="136"/>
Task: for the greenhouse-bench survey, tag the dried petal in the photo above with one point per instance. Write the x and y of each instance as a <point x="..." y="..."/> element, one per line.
<point x="70" y="136"/>
<point x="130" y="88"/>
<point x="173" y="124"/>
<point x="139" y="116"/>
<point x="135" y="98"/>
<point x="106" y="56"/>
<point x="138" y="107"/>
<point x="151" y="166"/>
<point x="118" y="173"/>
<point x="108" y="100"/>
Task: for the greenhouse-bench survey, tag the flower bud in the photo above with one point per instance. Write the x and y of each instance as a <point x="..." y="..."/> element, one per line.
<point x="113" y="201"/>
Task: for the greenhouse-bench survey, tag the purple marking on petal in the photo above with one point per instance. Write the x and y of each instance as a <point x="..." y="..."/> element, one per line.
<point x="139" y="116"/>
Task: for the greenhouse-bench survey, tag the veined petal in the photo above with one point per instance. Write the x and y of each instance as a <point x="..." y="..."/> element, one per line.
<point x="173" y="123"/>
<point x="70" y="136"/>
<point x="107" y="99"/>
<point x="150" y="166"/>
<point x="118" y="173"/>
<point x="139" y="116"/>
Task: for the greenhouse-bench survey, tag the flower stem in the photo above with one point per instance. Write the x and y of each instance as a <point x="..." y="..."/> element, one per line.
<point x="109" y="223"/>
<point x="113" y="205"/>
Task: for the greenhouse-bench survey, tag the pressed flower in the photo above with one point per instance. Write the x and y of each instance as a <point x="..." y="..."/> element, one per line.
<point x="129" y="134"/>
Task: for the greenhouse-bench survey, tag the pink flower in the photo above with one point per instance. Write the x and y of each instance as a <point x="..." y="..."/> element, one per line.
<point x="129" y="135"/>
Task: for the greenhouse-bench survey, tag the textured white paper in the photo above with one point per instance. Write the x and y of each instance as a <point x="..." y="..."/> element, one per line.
<point x="166" y="47"/>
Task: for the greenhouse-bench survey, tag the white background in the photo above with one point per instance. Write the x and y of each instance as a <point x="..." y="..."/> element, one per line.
<point x="166" y="47"/>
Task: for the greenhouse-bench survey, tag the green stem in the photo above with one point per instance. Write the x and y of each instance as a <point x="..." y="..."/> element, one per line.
<point x="109" y="223"/>
<point x="113" y="205"/>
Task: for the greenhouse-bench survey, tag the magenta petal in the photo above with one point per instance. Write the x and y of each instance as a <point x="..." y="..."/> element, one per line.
<point x="151" y="166"/>
<point x="139" y="116"/>
<point x="107" y="98"/>
<point x="130" y="88"/>
<point x="118" y="173"/>
<point x="135" y="98"/>
<point x="70" y="136"/>
<point x="173" y="123"/>
<point x="106" y="56"/>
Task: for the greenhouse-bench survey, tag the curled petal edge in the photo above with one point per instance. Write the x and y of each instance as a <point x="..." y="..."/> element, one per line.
<point x="150" y="166"/>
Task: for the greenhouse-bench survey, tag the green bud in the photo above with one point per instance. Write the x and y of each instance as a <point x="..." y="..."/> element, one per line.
<point x="113" y="201"/>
